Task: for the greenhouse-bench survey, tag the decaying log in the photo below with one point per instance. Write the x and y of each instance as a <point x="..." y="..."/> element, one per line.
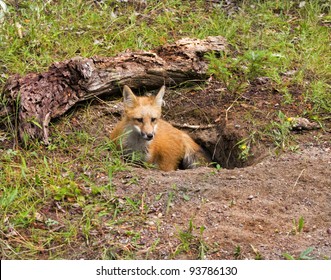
<point x="40" y="97"/>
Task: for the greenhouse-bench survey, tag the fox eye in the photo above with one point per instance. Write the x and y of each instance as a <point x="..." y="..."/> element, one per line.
<point x="139" y="120"/>
<point x="153" y="119"/>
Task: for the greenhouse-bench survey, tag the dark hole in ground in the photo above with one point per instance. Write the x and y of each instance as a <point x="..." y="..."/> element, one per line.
<point x="222" y="143"/>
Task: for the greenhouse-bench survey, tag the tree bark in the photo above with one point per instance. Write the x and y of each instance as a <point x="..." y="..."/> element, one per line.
<point x="40" y="97"/>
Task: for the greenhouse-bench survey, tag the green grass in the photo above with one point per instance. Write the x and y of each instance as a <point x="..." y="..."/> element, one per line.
<point x="192" y="243"/>
<point x="304" y="255"/>
<point x="298" y="226"/>
<point x="276" y="38"/>
<point x="56" y="198"/>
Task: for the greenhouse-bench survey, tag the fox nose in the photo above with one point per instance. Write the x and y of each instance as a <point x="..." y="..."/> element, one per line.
<point x="149" y="136"/>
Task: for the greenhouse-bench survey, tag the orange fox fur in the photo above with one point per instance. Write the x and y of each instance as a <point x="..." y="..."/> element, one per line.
<point x="142" y="131"/>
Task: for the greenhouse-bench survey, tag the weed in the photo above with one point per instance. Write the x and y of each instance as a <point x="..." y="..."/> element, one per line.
<point x="236" y="72"/>
<point x="189" y="241"/>
<point x="153" y="247"/>
<point x="257" y="253"/>
<point x="318" y="95"/>
<point x="298" y="226"/>
<point x="304" y="255"/>
<point x="49" y="222"/>
<point x="280" y="131"/>
<point x="135" y="237"/>
<point x="203" y="248"/>
<point x="186" y="197"/>
<point x="237" y="252"/>
<point x="218" y="167"/>
<point x="245" y="146"/>
<point x="301" y="224"/>
<point x="169" y="201"/>
<point x="8" y="196"/>
<point x="134" y="204"/>
<point x="229" y="71"/>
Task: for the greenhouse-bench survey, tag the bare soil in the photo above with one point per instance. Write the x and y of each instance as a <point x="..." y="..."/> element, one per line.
<point x="248" y="208"/>
<point x="253" y="208"/>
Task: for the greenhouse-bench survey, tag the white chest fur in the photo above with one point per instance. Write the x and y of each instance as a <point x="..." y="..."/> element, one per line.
<point x="133" y="142"/>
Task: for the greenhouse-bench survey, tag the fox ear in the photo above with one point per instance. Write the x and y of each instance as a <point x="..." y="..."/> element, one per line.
<point x="159" y="96"/>
<point x="129" y="97"/>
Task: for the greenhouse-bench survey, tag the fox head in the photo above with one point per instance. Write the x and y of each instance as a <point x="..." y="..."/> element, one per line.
<point x="142" y="113"/>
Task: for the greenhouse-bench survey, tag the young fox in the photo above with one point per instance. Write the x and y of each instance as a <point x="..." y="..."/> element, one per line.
<point x="142" y="131"/>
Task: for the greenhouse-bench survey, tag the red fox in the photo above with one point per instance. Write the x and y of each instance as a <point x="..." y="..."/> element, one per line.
<point x="143" y="132"/>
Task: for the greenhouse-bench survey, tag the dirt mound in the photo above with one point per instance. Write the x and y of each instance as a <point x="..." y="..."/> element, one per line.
<point x="250" y="212"/>
<point x="258" y="205"/>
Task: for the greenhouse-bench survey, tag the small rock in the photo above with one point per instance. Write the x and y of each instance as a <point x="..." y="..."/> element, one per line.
<point x="302" y="4"/>
<point x="290" y="73"/>
<point x="38" y="217"/>
<point x="250" y="197"/>
<point x="329" y="230"/>
<point x="303" y="124"/>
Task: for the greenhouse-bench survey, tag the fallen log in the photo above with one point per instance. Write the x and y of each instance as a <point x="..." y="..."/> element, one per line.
<point x="39" y="97"/>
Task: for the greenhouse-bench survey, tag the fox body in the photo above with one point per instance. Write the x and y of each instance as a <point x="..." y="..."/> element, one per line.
<point x="142" y="131"/>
